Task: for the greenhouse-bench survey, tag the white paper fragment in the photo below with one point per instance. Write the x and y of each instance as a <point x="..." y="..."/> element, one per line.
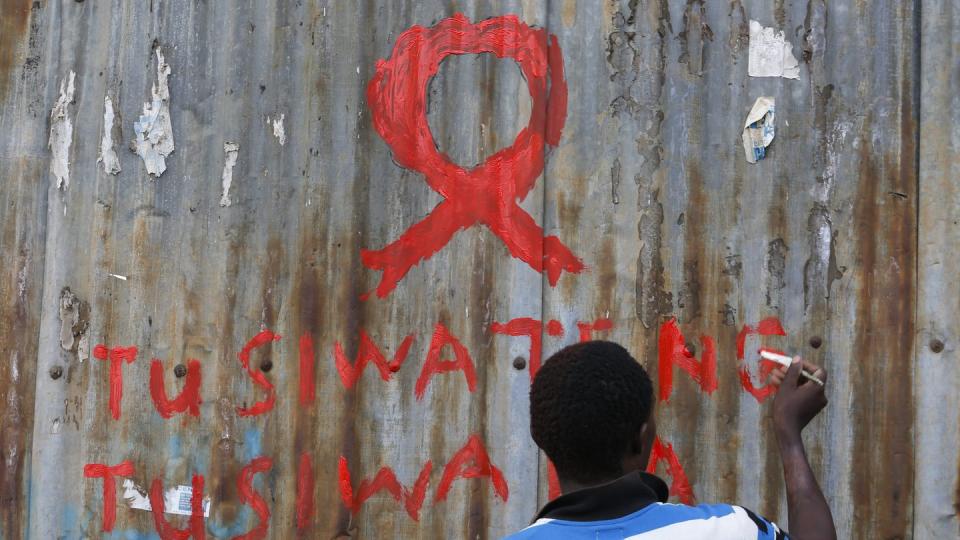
<point x="108" y="156"/>
<point x="759" y="129"/>
<point x="770" y="54"/>
<point x="83" y="349"/>
<point x="118" y="276"/>
<point x="154" y="133"/>
<point x="278" y="131"/>
<point x="61" y="133"/>
<point x="230" y="150"/>
<point x="176" y="500"/>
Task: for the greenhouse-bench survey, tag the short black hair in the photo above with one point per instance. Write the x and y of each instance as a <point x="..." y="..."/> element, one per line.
<point x="587" y="403"/>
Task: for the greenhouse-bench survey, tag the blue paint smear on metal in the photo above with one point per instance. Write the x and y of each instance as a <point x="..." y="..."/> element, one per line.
<point x="238" y="527"/>
<point x="70" y="518"/>
<point x="131" y="534"/>
<point x="252" y="444"/>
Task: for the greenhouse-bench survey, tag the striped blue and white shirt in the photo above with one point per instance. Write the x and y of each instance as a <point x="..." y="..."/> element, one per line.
<point x="632" y="508"/>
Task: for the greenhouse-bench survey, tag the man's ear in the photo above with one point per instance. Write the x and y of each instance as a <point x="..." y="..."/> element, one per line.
<point x="644" y="441"/>
<point x="640" y="446"/>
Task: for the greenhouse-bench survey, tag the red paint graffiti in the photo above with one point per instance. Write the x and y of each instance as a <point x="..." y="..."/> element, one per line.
<point x="366" y="353"/>
<point x="384" y="480"/>
<point x="165" y="530"/>
<point x="587" y="329"/>
<point x="108" y="472"/>
<point x="679" y="484"/>
<point x="116" y="356"/>
<point x="472" y="461"/>
<point x="248" y="495"/>
<point x="533" y="329"/>
<point x="187" y="400"/>
<point x="307" y="366"/>
<point x="673" y="350"/>
<point x="768" y="327"/>
<point x="433" y="365"/>
<point x="487" y="194"/>
<point x="260" y="407"/>
<point x="553" y="481"/>
<point x="305" y="482"/>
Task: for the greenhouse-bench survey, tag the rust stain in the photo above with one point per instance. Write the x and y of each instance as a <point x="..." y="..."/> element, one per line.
<point x="14" y="19"/>
<point x="883" y="441"/>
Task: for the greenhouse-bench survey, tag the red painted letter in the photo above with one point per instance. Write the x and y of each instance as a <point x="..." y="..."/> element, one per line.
<point x="673" y="350"/>
<point x="587" y="329"/>
<point x="471" y="461"/>
<point x="533" y="329"/>
<point x="197" y="529"/>
<point x="258" y="377"/>
<point x="441" y="338"/>
<point x="96" y="470"/>
<point x="553" y="481"/>
<point x="116" y="356"/>
<point x="768" y="327"/>
<point x="679" y="485"/>
<point x="189" y="398"/>
<point x="308" y="392"/>
<point x="366" y="353"/>
<point x="385" y="479"/>
<point x="304" y="492"/>
<point x="248" y="495"/>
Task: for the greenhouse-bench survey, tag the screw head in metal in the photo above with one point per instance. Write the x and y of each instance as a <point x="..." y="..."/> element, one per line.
<point x="56" y="372"/>
<point x="180" y="371"/>
<point x="266" y="366"/>
<point x="936" y="345"/>
<point x="519" y="362"/>
<point x="816" y="342"/>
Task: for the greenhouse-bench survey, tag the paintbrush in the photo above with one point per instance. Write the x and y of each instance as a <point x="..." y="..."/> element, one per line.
<point x="785" y="361"/>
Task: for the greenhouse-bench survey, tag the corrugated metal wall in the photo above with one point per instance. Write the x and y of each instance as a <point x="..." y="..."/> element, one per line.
<point x="845" y="234"/>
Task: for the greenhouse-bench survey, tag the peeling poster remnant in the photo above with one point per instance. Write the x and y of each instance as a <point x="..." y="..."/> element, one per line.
<point x="108" y="156"/>
<point x="759" y="129"/>
<point x="154" y="133"/>
<point x="176" y="500"/>
<point x="770" y="54"/>
<point x="61" y="133"/>
<point x="74" y="317"/>
<point x="278" y="131"/>
<point x="230" y="150"/>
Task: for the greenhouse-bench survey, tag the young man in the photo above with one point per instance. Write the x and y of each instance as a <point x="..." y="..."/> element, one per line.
<point x="591" y="412"/>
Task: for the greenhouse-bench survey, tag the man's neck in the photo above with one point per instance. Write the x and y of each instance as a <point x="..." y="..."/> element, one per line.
<point x="568" y="485"/>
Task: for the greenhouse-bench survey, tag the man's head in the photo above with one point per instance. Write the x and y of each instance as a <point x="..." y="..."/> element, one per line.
<point x="591" y="410"/>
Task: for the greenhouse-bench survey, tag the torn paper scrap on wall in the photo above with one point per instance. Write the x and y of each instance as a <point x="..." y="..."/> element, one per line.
<point x="770" y="54"/>
<point x="278" y="130"/>
<point x="61" y="133"/>
<point x="108" y="156"/>
<point x="759" y="129"/>
<point x="230" y="150"/>
<point x="176" y="500"/>
<point x="154" y="133"/>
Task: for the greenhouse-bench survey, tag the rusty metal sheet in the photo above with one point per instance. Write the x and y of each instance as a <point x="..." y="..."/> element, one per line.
<point x="258" y="234"/>
<point x="820" y="235"/>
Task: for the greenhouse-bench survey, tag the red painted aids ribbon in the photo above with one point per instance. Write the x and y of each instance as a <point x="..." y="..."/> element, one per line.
<point x="487" y="194"/>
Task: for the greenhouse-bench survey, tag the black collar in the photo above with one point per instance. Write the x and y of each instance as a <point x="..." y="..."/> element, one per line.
<point x="628" y="494"/>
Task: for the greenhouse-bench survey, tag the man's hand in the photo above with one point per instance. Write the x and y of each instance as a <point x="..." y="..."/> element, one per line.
<point x="798" y="400"/>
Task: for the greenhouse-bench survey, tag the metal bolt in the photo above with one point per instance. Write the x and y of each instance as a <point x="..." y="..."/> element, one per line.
<point x="56" y="372"/>
<point x="180" y="370"/>
<point x="519" y="362"/>
<point x="936" y="345"/>
<point x="266" y="366"/>
<point x="816" y="342"/>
